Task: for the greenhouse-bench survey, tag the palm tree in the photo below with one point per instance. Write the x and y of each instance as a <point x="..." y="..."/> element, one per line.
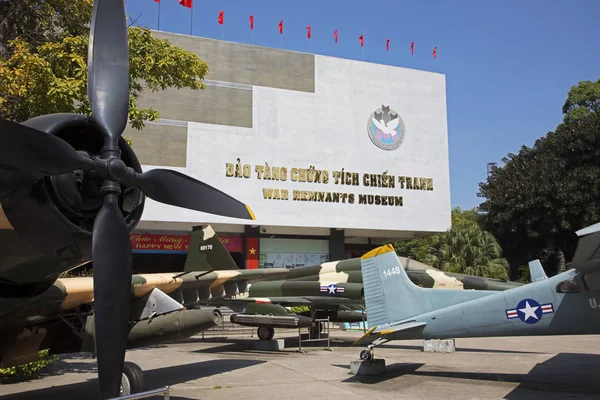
<point x="470" y="250"/>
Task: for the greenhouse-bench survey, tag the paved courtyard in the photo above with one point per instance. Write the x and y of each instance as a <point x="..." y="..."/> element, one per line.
<point x="228" y="368"/>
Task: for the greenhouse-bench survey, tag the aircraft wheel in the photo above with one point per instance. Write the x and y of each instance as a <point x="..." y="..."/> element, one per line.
<point x="132" y="380"/>
<point x="365" y="355"/>
<point x="265" y="333"/>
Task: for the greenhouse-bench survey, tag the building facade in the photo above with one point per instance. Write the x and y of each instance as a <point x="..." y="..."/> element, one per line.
<point x="334" y="156"/>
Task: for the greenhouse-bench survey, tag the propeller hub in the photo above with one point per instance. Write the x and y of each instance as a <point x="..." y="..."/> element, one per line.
<point x="117" y="170"/>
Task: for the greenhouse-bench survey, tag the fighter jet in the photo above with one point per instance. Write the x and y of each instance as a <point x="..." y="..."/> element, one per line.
<point x="565" y="304"/>
<point x="72" y="190"/>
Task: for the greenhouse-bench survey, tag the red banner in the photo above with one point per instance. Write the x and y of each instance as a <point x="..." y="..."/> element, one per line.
<point x="178" y="243"/>
<point x="233" y="244"/>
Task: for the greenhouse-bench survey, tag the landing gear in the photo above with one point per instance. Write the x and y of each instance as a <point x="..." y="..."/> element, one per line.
<point x="132" y="380"/>
<point x="368" y="354"/>
<point x="265" y="332"/>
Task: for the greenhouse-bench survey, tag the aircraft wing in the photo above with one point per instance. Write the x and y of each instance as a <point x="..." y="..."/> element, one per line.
<point x="289" y="301"/>
<point x="587" y="254"/>
<point x="387" y="332"/>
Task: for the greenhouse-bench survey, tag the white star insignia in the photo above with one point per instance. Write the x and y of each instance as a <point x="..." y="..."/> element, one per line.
<point x="331" y="289"/>
<point x="529" y="311"/>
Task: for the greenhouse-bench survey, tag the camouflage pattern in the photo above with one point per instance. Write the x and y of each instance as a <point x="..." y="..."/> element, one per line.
<point x="211" y="277"/>
<point x="347" y="277"/>
<point x="30" y="324"/>
<point x="208" y="274"/>
<point x="333" y="289"/>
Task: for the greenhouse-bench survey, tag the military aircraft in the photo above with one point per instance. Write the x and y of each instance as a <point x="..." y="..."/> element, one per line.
<point x="72" y="190"/>
<point x="565" y="304"/>
<point x="61" y="318"/>
<point x="331" y="290"/>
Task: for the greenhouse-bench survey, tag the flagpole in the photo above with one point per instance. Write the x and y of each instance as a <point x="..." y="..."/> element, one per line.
<point x="191" y="19"/>
<point x="309" y="45"/>
<point x="252" y="35"/>
<point x="222" y="29"/>
<point x="362" y="53"/>
<point x="158" y="17"/>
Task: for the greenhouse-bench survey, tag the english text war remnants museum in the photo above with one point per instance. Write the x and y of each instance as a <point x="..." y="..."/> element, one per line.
<point x="334" y="156"/>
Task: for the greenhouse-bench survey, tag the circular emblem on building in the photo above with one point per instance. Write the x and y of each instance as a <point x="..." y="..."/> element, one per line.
<point x="385" y="128"/>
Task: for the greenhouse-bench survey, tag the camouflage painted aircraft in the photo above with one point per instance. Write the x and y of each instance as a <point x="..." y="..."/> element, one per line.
<point x="72" y="190"/>
<point x="565" y="304"/>
<point x="61" y="318"/>
<point x="332" y="290"/>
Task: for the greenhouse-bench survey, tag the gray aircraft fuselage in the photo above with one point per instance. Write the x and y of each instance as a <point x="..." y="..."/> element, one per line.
<point x="534" y="309"/>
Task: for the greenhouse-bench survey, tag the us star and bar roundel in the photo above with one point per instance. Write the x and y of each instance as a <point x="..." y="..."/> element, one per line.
<point x="529" y="311"/>
<point x="331" y="289"/>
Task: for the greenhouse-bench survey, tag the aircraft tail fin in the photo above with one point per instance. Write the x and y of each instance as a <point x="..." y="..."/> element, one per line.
<point x="536" y="271"/>
<point x="587" y="253"/>
<point x="390" y="296"/>
<point x="207" y="252"/>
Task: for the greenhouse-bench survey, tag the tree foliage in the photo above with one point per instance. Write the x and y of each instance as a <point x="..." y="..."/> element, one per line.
<point x="40" y="21"/>
<point x="470" y="250"/>
<point x="46" y="72"/>
<point x="583" y="101"/>
<point x="28" y="369"/>
<point x="543" y="194"/>
<point x="465" y="248"/>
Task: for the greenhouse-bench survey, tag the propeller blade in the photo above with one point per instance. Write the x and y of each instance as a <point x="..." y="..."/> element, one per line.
<point x="111" y="252"/>
<point x="30" y="150"/>
<point x="177" y="189"/>
<point x="108" y="67"/>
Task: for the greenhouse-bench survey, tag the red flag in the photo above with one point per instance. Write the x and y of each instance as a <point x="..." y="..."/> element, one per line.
<point x="221" y="17"/>
<point x="435" y="52"/>
<point x="186" y="3"/>
<point x="251" y="22"/>
<point x="157" y="1"/>
<point x="387" y="45"/>
<point x="281" y="27"/>
<point x="362" y="40"/>
<point x="335" y="35"/>
<point x="252" y="253"/>
<point x="308" y="33"/>
<point x="412" y="47"/>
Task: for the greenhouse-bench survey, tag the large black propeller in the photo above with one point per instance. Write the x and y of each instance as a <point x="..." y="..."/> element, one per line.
<point x="30" y="150"/>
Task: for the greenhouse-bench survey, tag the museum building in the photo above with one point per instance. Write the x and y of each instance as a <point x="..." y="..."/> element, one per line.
<point x="334" y="156"/>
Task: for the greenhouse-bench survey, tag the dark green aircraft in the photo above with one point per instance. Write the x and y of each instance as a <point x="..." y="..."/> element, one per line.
<point x="72" y="190"/>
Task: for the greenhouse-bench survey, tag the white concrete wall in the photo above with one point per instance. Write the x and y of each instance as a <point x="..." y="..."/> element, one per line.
<point x="328" y="129"/>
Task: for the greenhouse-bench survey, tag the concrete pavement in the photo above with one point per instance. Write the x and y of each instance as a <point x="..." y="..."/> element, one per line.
<point x="498" y="368"/>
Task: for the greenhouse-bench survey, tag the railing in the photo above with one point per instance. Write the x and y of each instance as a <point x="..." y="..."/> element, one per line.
<point x="142" y="395"/>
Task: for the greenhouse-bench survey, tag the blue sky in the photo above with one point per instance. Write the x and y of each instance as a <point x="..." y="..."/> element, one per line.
<point x="508" y="64"/>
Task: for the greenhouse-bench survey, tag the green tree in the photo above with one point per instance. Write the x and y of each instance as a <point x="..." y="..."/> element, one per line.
<point x="51" y="76"/>
<point x="543" y="194"/>
<point x="470" y="250"/>
<point x="40" y="21"/>
<point x="465" y="248"/>
<point x="583" y="101"/>
<point x="462" y="217"/>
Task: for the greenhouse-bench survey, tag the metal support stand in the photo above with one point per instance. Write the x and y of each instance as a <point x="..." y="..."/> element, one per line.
<point x="142" y="395"/>
<point x="319" y="338"/>
<point x="363" y="319"/>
